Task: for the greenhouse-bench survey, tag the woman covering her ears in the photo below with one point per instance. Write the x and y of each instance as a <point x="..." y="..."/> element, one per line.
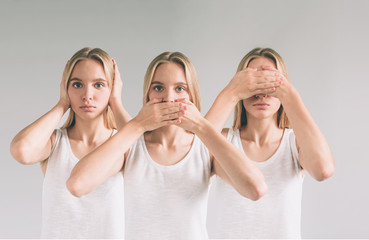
<point x="91" y="89"/>
<point x="275" y="130"/>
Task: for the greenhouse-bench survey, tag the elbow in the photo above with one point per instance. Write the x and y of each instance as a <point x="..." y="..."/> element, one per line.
<point x="325" y="169"/>
<point x="259" y="191"/>
<point x="75" y="187"/>
<point x="20" y="153"/>
<point x="255" y="190"/>
<point x="324" y="173"/>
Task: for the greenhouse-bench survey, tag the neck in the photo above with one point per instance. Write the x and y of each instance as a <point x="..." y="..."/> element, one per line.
<point x="261" y="130"/>
<point x="168" y="136"/>
<point x="89" y="131"/>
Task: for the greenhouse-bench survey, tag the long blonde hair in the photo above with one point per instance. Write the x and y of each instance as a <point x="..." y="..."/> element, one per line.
<point x="106" y="61"/>
<point x="190" y="74"/>
<point x="240" y="118"/>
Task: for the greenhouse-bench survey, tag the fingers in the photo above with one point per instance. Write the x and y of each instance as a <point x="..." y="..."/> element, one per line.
<point x="155" y="100"/>
<point x="265" y="67"/>
<point x="115" y="66"/>
<point x="65" y="71"/>
<point x="172" y="116"/>
<point x="180" y="100"/>
<point x="265" y="91"/>
<point x="165" y="105"/>
<point x="171" y="110"/>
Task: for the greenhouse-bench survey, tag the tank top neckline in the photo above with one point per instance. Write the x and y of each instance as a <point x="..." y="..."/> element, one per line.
<point x="274" y="156"/>
<point x="65" y="135"/>
<point x="167" y="167"/>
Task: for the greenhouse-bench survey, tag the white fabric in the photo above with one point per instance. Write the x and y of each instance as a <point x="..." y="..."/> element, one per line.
<point x="166" y="202"/>
<point x="276" y="215"/>
<point x="99" y="214"/>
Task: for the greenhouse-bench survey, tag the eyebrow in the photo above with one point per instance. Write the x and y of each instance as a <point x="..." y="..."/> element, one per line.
<point x="160" y="83"/>
<point x="80" y="80"/>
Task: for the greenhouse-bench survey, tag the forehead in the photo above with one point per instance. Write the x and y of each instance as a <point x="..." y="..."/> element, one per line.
<point x="88" y="69"/>
<point x="261" y="61"/>
<point x="169" y="73"/>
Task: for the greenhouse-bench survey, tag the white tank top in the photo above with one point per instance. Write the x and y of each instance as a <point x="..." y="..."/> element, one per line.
<point x="276" y="215"/>
<point x="166" y="202"/>
<point x="99" y="214"/>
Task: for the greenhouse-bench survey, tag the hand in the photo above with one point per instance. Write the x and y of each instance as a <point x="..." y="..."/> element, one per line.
<point x="64" y="98"/>
<point x="250" y="82"/>
<point x="284" y="87"/>
<point x="116" y="92"/>
<point x="191" y="118"/>
<point x="155" y="114"/>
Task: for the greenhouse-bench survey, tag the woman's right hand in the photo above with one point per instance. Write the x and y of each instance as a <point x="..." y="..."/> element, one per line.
<point x="155" y="114"/>
<point x="64" y="98"/>
<point x="250" y="82"/>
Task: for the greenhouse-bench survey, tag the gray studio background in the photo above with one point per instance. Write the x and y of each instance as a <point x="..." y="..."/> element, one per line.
<point x="324" y="43"/>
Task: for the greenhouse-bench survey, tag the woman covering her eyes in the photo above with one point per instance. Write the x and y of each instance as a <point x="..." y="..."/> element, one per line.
<point x="168" y="153"/>
<point x="261" y="129"/>
<point x="91" y="89"/>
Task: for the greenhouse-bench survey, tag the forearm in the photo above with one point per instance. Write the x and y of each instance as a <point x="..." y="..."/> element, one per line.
<point x="30" y="145"/>
<point x="314" y="152"/>
<point x="244" y="176"/>
<point x="105" y="161"/>
<point x="121" y="115"/>
<point x="222" y="108"/>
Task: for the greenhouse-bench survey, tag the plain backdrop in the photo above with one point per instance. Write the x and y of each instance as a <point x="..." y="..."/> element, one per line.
<point x="324" y="43"/>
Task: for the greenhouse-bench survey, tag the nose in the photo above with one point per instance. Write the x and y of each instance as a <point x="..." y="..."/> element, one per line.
<point x="169" y="96"/>
<point x="87" y="94"/>
<point x="260" y="96"/>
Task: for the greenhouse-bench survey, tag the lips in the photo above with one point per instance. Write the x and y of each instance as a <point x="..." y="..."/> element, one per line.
<point x="261" y="105"/>
<point x="87" y="108"/>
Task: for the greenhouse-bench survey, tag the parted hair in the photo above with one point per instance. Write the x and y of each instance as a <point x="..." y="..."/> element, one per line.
<point x="190" y="74"/>
<point x="106" y="61"/>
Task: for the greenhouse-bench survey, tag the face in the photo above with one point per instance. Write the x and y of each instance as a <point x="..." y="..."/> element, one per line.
<point x="169" y="83"/>
<point x="88" y="90"/>
<point x="261" y="106"/>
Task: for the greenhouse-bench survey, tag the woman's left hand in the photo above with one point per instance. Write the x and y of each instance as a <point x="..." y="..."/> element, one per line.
<point x="116" y="92"/>
<point x="284" y="88"/>
<point x="191" y="116"/>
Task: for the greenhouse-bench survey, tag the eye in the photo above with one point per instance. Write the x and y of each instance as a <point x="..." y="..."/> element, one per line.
<point x="99" y="85"/>
<point x="77" y="85"/>
<point x="158" y="88"/>
<point x="180" y="89"/>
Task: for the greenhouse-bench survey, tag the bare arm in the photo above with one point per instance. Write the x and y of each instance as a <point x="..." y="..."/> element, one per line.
<point x="108" y="159"/>
<point x="244" y="84"/>
<point x="121" y="115"/>
<point x="314" y="152"/>
<point x="229" y="162"/>
<point x="33" y="144"/>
